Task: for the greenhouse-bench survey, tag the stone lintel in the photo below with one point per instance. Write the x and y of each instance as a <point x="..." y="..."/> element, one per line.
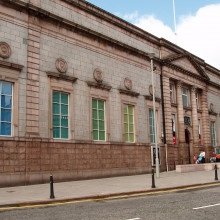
<point x="127" y="92"/>
<point x="213" y="113"/>
<point x="61" y="76"/>
<point x="99" y="85"/>
<point x="150" y="97"/>
<point x="11" y="65"/>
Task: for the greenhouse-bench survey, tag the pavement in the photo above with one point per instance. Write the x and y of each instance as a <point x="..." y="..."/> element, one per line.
<point x="98" y="188"/>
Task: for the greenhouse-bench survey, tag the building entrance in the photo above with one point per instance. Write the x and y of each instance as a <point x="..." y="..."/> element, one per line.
<point x="187" y="146"/>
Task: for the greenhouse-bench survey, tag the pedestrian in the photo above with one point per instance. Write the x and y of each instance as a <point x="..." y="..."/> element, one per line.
<point x="194" y="158"/>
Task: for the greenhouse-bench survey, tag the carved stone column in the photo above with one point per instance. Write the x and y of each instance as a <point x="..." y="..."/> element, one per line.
<point x="206" y="135"/>
<point x="194" y="117"/>
<point x="181" y="130"/>
<point x="167" y="110"/>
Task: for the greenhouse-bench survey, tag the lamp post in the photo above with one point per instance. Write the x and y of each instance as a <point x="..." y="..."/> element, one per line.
<point x="151" y="55"/>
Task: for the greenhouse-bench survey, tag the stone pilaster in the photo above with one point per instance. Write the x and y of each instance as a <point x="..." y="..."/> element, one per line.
<point x="194" y="117"/>
<point x="167" y="109"/>
<point x="181" y="130"/>
<point x="206" y="136"/>
<point x="32" y="88"/>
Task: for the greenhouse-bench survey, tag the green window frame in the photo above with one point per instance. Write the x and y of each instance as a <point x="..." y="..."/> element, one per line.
<point x="213" y="133"/>
<point x="60" y="115"/>
<point x="151" y="124"/>
<point x="185" y="97"/>
<point x="6" y="105"/>
<point x="98" y="120"/>
<point x="172" y="93"/>
<point x="129" y="128"/>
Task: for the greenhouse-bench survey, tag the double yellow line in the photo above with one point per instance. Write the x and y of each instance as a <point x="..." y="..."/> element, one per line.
<point x="109" y="198"/>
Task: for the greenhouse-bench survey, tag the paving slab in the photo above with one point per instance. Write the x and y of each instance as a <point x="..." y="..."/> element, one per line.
<point x="101" y="187"/>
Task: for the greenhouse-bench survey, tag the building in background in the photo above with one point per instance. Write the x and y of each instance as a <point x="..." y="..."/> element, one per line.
<point x="76" y="95"/>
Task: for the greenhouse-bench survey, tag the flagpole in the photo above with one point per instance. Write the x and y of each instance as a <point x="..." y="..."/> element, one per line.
<point x="174" y="17"/>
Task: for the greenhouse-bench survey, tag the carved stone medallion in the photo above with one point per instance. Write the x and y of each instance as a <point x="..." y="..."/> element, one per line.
<point x="98" y="75"/>
<point x="5" y="50"/>
<point x="61" y="65"/>
<point x="128" y="83"/>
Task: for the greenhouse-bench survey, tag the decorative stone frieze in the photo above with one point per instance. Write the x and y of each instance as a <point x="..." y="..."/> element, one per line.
<point x="5" y="50"/>
<point x="98" y="75"/>
<point x="61" y="65"/>
<point x="128" y="83"/>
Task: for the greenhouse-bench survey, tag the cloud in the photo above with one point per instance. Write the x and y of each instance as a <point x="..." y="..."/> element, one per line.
<point x="198" y="34"/>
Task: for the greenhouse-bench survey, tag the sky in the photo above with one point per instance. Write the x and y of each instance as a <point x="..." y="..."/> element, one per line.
<point x="197" y="22"/>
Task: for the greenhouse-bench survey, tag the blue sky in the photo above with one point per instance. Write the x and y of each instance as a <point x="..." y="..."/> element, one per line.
<point x="198" y="22"/>
<point x="162" y="9"/>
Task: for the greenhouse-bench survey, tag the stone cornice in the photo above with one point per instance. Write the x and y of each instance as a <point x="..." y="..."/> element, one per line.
<point x="10" y="65"/>
<point x="61" y="76"/>
<point x="150" y="97"/>
<point x="34" y="10"/>
<point x="128" y="92"/>
<point x="104" y="15"/>
<point x="99" y="85"/>
<point x="214" y="84"/>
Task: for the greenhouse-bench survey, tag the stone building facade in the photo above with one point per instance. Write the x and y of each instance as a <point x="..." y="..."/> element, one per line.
<point x="76" y="95"/>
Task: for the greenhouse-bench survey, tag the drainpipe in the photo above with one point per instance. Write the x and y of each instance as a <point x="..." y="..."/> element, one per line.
<point x="163" y="113"/>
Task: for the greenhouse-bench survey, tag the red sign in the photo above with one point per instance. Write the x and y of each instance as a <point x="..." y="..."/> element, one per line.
<point x="174" y="139"/>
<point x="200" y="140"/>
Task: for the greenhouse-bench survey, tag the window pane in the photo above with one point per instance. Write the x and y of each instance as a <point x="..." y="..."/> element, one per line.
<point x="152" y="139"/>
<point x="101" y="125"/>
<point x="127" y="138"/>
<point x="64" y="121"/>
<point x="131" y="119"/>
<point x="125" y="109"/>
<point x="126" y="127"/>
<point x="56" y="96"/>
<point x="95" y="124"/>
<point x="6" y="101"/>
<point x="102" y="136"/>
<point x="94" y="103"/>
<point x="95" y="135"/>
<point x="131" y="137"/>
<point x="130" y="110"/>
<point x="6" y="129"/>
<point x="101" y="104"/>
<point x="125" y="118"/>
<point x="6" y="88"/>
<point x="56" y="109"/>
<point x="101" y="115"/>
<point x="64" y="98"/>
<point x="94" y="114"/>
<point x="131" y="128"/>
<point x="64" y="133"/>
<point x="56" y="132"/>
<point x="6" y="115"/>
<point x="64" y="109"/>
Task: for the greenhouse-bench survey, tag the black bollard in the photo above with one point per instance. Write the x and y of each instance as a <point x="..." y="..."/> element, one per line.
<point x="51" y="188"/>
<point x="153" y="180"/>
<point x="216" y="172"/>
